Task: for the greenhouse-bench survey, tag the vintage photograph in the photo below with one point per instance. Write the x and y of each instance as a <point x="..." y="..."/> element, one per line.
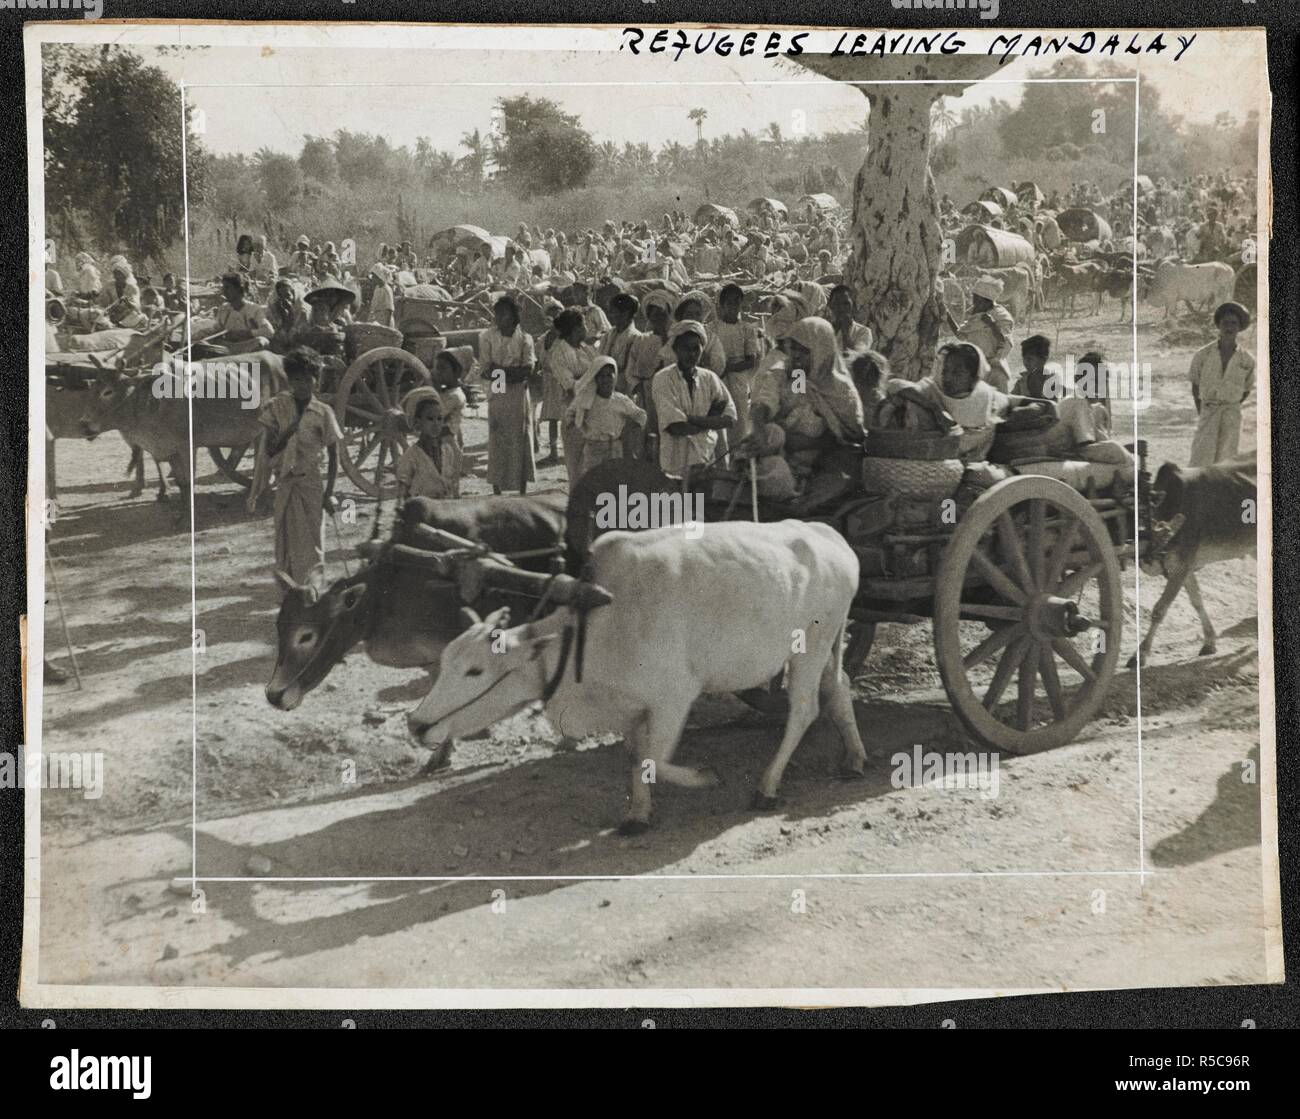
<point x="530" y="519"/>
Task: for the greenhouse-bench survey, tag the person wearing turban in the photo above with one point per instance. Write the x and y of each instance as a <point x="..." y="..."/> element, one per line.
<point x="691" y="402"/>
<point x="990" y="327"/>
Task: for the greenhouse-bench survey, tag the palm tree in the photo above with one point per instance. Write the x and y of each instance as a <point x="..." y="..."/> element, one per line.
<point x="942" y="118"/>
<point x="698" y="115"/>
<point x="477" y="152"/>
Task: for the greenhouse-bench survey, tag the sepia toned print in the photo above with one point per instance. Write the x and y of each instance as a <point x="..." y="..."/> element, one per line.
<point x="527" y="521"/>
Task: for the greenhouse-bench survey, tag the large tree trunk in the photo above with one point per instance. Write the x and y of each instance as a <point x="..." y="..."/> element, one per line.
<point x="895" y="234"/>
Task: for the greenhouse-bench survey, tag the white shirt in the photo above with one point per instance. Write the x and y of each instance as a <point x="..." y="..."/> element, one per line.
<point x="674" y="401"/>
<point x="1218" y="383"/>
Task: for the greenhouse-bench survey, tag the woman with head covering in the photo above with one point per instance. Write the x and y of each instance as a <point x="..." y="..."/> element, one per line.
<point x="692" y="404"/>
<point x="961" y="389"/>
<point x="566" y="362"/>
<point x="122" y="296"/>
<point x="88" y="281"/>
<point x="429" y="466"/>
<point x="508" y="357"/>
<point x="383" y="306"/>
<point x="811" y="397"/>
<point x="601" y="415"/>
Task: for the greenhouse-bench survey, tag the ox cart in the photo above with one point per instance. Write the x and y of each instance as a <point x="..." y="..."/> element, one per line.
<point x="1020" y="581"/>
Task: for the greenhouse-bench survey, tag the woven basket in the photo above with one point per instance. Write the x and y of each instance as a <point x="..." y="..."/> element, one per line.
<point x="928" y="446"/>
<point x="918" y="478"/>
<point x="363" y="336"/>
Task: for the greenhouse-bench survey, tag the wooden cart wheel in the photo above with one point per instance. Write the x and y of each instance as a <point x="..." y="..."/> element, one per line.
<point x="227" y="460"/>
<point x="367" y="403"/>
<point x="1028" y="588"/>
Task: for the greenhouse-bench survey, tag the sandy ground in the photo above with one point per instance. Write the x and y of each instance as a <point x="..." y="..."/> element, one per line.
<point x="849" y="884"/>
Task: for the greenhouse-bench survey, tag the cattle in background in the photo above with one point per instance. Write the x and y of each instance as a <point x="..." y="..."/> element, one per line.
<point x="152" y="411"/>
<point x="1117" y="282"/>
<point x="1068" y="281"/>
<point x="1202" y="515"/>
<point x="722" y="610"/>
<point x="1202" y="286"/>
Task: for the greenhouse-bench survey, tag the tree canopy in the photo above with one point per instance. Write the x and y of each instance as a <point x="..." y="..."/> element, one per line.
<point x="540" y="149"/>
<point x="113" y="148"/>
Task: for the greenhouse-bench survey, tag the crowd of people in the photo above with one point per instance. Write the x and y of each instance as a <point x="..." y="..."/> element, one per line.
<point x="665" y="371"/>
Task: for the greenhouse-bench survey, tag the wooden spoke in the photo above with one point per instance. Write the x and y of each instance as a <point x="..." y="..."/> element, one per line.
<point x="379" y="467"/>
<point x="1072" y="584"/>
<point x="1061" y="553"/>
<point x="1073" y="658"/>
<point x="991" y="574"/>
<point x="997" y="640"/>
<point x="364" y="413"/>
<point x="1037" y="520"/>
<point x="367" y="448"/>
<point x="1006" y="666"/>
<point x="982" y="610"/>
<point x="1044" y="529"/>
<point x="1051" y="682"/>
<point x="1026" y="683"/>
<point x="1012" y="552"/>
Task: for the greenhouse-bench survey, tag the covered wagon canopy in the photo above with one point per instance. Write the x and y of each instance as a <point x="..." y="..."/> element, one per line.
<point x="816" y="205"/>
<point x="993" y="248"/>
<point x="711" y="212"/>
<point x="1079" y="224"/>
<point x="982" y="210"/>
<point x="472" y="238"/>
<point x="768" y="205"/>
<point x="1144" y="184"/>
<point x="1003" y="197"/>
<point x="1030" y="194"/>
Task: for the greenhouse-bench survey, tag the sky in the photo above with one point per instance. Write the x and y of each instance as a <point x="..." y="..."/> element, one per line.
<point x="270" y="96"/>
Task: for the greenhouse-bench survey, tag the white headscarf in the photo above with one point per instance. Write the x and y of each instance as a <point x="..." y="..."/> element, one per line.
<point x="584" y="393"/>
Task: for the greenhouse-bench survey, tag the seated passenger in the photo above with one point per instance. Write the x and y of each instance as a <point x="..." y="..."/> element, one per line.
<point x="1086" y="414"/>
<point x="805" y="413"/>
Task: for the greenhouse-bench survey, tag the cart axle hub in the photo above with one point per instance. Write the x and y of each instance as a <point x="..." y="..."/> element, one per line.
<point x="1048" y="616"/>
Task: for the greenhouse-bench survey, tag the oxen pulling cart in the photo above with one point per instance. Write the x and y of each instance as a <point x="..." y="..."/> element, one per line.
<point x="1020" y="579"/>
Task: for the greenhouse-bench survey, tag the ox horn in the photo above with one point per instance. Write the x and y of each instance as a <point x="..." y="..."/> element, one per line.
<point x="470" y="616"/>
<point x="308" y="589"/>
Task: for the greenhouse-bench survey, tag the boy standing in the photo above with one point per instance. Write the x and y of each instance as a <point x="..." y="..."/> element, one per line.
<point x="299" y="432"/>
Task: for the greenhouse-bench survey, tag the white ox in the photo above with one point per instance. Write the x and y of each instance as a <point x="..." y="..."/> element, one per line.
<point x="719" y="611"/>
<point x="1203" y="285"/>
